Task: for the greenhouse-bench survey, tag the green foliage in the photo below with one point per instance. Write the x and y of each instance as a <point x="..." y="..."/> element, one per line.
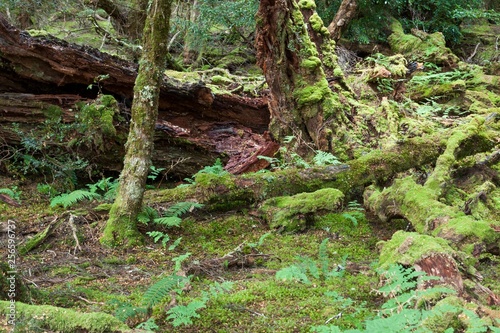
<point x="44" y="151"/>
<point x="288" y="159"/>
<point x="103" y="190"/>
<point x="149" y="325"/>
<point x="407" y="306"/>
<point x="184" y="314"/>
<point x="12" y="192"/>
<point x="317" y="269"/>
<point x="161" y="289"/>
<point x="372" y="21"/>
<point x="47" y="189"/>
<point x="216" y="169"/>
<point x="125" y="310"/>
<point x="219" y="22"/>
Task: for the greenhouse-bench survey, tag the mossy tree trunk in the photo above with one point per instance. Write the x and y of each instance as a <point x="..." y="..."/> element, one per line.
<point x="297" y="56"/>
<point x="121" y="227"/>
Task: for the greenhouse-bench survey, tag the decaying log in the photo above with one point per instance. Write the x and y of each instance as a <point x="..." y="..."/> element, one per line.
<point x="229" y="192"/>
<point x="41" y="71"/>
<point x="421" y="205"/>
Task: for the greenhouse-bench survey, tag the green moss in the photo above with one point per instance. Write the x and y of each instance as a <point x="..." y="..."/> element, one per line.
<point x="316" y="22"/>
<point x="427" y="47"/>
<point x="311" y="63"/>
<point x="406" y="248"/>
<point x="294" y="213"/>
<point x="312" y="94"/>
<point x="64" y="320"/>
<point x="307" y="4"/>
<point x="221" y="80"/>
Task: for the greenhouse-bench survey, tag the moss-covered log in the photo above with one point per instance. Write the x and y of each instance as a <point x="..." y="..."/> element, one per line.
<point x="423" y="205"/>
<point x="378" y="166"/>
<point x="59" y="319"/>
<point x="435" y="256"/>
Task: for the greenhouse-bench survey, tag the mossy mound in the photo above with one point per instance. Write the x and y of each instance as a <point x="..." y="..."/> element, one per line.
<point x="421" y="46"/>
<point x="297" y="212"/>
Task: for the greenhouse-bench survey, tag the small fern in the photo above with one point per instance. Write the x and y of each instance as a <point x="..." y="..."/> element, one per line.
<point x="161" y="289"/>
<point x="183" y="314"/>
<point x="323" y="158"/>
<point x="103" y="190"/>
<point x="69" y="199"/>
<point x="317" y="269"/>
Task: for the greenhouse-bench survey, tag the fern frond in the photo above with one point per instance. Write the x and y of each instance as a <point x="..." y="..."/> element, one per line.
<point x="181" y="207"/>
<point x="161" y="289"/>
<point x="147" y="215"/>
<point x="294" y="273"/>
<point x="183" y="314"/>
<point x="68" y="199"/>
<point x="169" y="221"/>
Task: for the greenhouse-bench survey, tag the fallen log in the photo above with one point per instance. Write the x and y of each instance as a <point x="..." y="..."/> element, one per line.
<point x="38" y="72"/>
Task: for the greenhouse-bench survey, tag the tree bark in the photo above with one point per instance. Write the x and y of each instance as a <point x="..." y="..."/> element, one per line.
<point x="121" y="228"/>
<point x="295" y="53"/>
<point x="344" y="15"/>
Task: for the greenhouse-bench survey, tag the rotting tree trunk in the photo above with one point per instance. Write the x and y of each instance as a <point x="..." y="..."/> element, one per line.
<point x="296" y="55"/>
<point x="121" y="228"/>
<point x="44" y="71"/>
<point x="344" y="15"/>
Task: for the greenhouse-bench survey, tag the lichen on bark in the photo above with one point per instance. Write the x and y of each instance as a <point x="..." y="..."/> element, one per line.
<point x="121" y="228"/>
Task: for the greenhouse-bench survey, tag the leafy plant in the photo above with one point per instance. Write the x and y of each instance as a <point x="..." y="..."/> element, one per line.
<point x="317" y="269"/>
<point x="103" y="190"/>
<point x="404" y="310"/>
<point x="216" y="169"/>
<point x="12" y="192"/>
<point x="161" y="289"/>
<point x="184" y="314"/>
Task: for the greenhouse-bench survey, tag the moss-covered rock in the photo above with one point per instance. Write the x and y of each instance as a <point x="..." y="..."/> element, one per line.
<point x="424" y="47"/>
<point x="296" y="212"/>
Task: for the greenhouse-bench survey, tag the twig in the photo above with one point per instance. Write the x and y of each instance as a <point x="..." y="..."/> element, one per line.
<point x="71" y="223"/>
<point x="337" y="316"/>
<point x="473" y="53"/>
<point x="89" y="302"/>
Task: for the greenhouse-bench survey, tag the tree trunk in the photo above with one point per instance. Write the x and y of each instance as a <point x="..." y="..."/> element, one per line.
<point x="296" y="55"/>
<point x="344" y="15"/>
<point x="121" y="228"/>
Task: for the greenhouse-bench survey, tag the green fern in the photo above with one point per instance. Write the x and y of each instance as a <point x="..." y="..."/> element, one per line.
<point x="181" y="208"/>
<point x="105" y="189"/>
<point x="323" y="158"/>
<point x="183" y="314"/>
<point x="161" y="289"/>
<point x="69" y="199"/>
<point x="147" y="214"/>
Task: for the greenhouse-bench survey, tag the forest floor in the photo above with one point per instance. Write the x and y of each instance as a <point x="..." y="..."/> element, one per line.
<point x="90" y="278"/>
<point x="232" y="272"/>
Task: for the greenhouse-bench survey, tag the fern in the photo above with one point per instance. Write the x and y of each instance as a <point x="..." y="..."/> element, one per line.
<point x="294" y="273"/>
<point x="69" y="199"/>
<point x="161" y="289"/>
<point x="157" y="235"/>
<point x="323" y="158"/>
<point x="181" y="208"/>
<point x="317" y="269"/>
<point x="183" y="314"/>
<point x="147" y="215"/>
<point x="106" y="186"/>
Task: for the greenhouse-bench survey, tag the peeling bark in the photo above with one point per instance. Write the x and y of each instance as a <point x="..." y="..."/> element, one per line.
<point x="345" y="13"/>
